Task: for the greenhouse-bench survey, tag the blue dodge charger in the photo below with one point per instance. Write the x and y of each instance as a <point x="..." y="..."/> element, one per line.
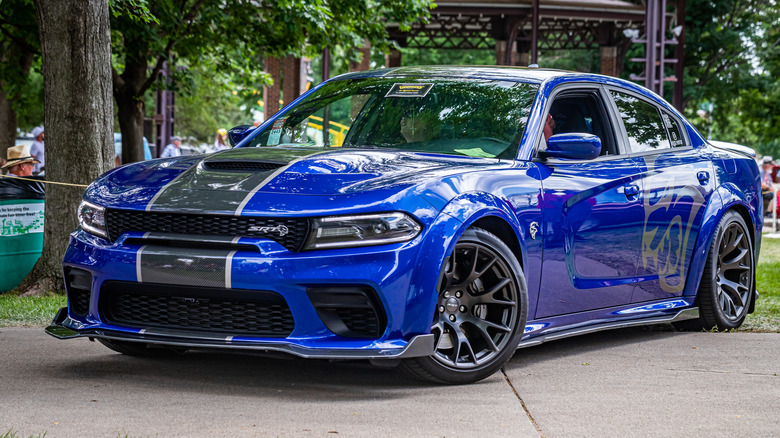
<point x="430" y="218"/>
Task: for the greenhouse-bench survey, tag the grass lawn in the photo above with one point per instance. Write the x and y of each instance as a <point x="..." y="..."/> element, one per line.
<point x="29" y="311"/>
<point x="39" y="311"/>
<point x="766" y="318"/>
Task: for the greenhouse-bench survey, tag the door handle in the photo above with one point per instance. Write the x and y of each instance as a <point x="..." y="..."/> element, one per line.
<point x="631" y="191"/>
<point x="703" y="176"/>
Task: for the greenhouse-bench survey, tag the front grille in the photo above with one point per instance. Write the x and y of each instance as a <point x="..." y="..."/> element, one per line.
<point x="247" y="166"/>
<point x="290" y="233"/>
<point x="213" y="310"/>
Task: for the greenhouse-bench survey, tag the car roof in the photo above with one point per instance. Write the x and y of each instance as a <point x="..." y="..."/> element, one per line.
<point x="522" y="74"/>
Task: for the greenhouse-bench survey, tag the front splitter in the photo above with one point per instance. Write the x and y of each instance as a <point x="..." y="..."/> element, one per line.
<point x="418" y="346"/>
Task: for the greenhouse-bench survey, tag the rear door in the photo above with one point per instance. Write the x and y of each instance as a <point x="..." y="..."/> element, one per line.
<point x="677" y="181"/>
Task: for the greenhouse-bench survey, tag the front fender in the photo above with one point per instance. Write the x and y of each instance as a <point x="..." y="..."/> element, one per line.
<point x="455" y="218"/>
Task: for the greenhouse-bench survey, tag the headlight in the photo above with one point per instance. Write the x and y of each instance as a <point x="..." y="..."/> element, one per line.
<point x="361" y="230"/>
<point x="92" y="219"/>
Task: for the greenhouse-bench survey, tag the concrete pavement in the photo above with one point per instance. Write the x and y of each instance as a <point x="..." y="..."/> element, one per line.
<point x="620" y="383"/>
<point x="660" y="384"/>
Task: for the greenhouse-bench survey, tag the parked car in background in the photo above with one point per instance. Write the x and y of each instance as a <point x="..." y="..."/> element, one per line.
<point x="433" y="218"/>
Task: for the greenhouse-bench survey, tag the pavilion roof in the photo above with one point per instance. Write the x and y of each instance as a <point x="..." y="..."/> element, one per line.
<point x="561" y="24"/>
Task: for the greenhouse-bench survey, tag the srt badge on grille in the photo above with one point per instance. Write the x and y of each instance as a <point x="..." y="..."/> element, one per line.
<point x="281" y="229"/>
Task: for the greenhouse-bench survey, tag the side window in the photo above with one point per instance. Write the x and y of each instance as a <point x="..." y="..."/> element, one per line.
<point x="673" y="129"/>
<point x="643" y="124"/>
<point x="581" y="112"/>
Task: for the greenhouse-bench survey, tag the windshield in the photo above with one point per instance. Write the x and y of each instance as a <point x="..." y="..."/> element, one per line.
<point x="473" y="117"/>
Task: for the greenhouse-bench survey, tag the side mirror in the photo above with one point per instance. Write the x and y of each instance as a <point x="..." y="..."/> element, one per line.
<point x="235" y="135"/>
<point x="573" y="146"/>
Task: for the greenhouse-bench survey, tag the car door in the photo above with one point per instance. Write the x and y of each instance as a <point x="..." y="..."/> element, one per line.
<point x="677" y="181"/>
<point x="593" y="212"/>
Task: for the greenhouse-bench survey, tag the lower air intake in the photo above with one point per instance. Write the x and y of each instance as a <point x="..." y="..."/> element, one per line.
<point x="212" y="310"/>
<point x="78" y="284"/>
<point x="349" y="311"/>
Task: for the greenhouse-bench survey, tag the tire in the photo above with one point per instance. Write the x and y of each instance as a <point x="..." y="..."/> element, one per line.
<point x="480" y="312"/>
<point x="141" y="349"/>
<point x="726" y="289"/>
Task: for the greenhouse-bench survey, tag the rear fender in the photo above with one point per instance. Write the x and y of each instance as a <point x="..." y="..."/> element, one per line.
<point x="726" y="197"/>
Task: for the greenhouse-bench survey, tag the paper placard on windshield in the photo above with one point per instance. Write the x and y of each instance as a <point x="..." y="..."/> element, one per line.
<point x="409" y="90"/>
<point x="276" y="132"/>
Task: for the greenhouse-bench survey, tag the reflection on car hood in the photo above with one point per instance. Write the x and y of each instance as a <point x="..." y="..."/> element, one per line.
<point x="222" y="181"/>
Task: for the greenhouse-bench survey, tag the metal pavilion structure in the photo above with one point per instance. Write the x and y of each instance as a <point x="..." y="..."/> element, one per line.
<point x="519" y="30"/>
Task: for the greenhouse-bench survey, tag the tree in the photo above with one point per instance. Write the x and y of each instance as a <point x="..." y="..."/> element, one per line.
<point x="76" y="49"/>
<point x="233" y="35"/>
<point x="18" y="47"/>
<point x="733" y="61"/>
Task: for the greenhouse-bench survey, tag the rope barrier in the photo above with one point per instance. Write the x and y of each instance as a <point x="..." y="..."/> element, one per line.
<point x="44" y="181"/>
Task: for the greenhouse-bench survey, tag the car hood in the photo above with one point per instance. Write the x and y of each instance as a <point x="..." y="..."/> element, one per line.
<point x="228" y="180"/>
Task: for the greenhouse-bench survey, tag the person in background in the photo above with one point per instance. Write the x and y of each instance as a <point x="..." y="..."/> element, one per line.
<point x="767" y="185"/>
<point x="549" y="127"/>
<point x="173" y="149"/>
<point x="36" y="149"/>
<point x="20" y="164"/>
<point x="219" y="143"/>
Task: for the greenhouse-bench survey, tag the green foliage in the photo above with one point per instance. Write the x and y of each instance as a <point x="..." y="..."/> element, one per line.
<point x="733" y="60"/>
<point x="134" y="10"/>
<point x="411" y="56"/>
<point x="29" y="100"/>
<point x="19" y="51"/>
<point x="209" y="104"/>
<point x="573" y="60"/>
<point x="234" y="36"/>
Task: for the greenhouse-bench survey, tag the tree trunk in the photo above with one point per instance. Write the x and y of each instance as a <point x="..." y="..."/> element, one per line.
<point x="131" y="124"/>
<point x="129" y="97"/>
<point x="76" y="50"/>
<point x="7" y="123"/>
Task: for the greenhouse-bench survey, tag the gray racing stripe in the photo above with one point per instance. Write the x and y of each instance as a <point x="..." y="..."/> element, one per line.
<point x="228" y="269"/>
<point x="202" y="189"/>
<point x="191" y="267"/>
<point x="138" y="271"/>
<point x="162" y="189"/>
<point x="268" y="180"/>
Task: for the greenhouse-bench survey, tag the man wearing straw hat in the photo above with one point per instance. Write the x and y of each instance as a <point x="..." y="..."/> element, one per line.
<point x="20" y="164"/>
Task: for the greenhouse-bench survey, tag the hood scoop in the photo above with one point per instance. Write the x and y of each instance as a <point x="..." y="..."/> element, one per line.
<point x="243" y="166"/>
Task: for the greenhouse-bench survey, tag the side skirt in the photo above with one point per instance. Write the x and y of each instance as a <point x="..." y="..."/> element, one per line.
<point x="690" y="313"/>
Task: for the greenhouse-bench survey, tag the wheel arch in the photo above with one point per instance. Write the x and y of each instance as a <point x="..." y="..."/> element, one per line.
<point x="725" y="198"/>
<point x="472" y="209"/>
<point x="501" y="228"/>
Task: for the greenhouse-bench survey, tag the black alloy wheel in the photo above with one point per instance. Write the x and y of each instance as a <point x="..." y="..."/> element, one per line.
<point x="480" y="312"/>
<point x="726" y="290"/>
